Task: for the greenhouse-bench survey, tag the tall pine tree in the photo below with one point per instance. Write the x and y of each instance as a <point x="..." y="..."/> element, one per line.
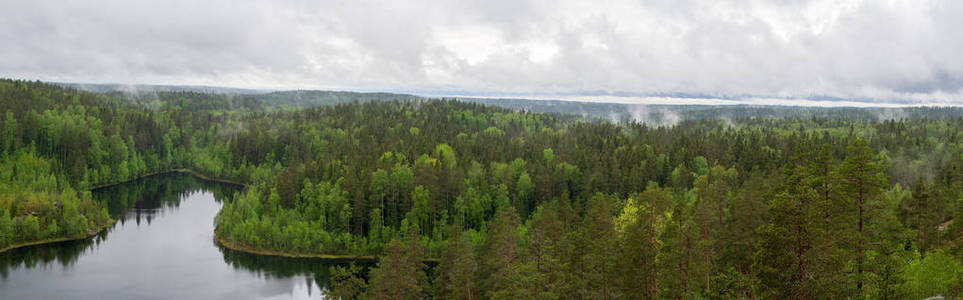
<point x="861" y="181"/>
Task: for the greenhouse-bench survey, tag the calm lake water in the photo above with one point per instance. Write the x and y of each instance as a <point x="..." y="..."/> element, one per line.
<point x="162" y="247"/>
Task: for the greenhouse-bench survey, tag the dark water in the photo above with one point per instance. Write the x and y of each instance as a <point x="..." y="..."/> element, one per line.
<point x="162" y="247"/>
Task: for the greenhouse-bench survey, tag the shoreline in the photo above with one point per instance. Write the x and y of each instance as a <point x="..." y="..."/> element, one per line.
<point x="60" y="239"/>
<point x="177" y="170"/>
<point x="112" y="222"/>
<point x="221" y="241"/>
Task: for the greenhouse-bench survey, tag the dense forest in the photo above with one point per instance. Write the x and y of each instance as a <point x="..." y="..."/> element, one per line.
<point x="466" y="200"/>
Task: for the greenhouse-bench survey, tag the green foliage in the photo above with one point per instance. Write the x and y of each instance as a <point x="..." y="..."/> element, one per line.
<point x="499" y="257"/>
<point x="8" y="134"/>
<point x="346" y="282"/>
<point x="596" y="242"/>
<point x="678" y="264"/>
<point x="455" y="274"/>
<point x="824" y="203"/>
<point x="400" y="272"/>
<point x="636" y="270"/>
<point x="861" y="182"/>
<point x="30" y="228"/>
<point x="6" y="229"/>
<point x="936" y="274"/>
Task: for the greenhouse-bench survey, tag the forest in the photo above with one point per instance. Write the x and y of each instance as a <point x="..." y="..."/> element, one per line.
<point x="468" y="200"/>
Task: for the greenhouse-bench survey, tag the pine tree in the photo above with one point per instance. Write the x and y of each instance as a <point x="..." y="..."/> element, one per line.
<point x="923" y="214"/>
<point x="596" y="235"/>
<point x="543" y="251"/>
<point x="456" y="271"/>
<point x="500" y="255"/>
<point x="829" y="255"/>
<point x="677" y="263"/>
<point x="638" y="249"/>
<point x="862" y="179"/>
<point x="400" y="272"/>
<point x="791" y="244"/>
<point x="346" y="282"/>
<point x="747" y="212"/>
<point x="712" y="200"/>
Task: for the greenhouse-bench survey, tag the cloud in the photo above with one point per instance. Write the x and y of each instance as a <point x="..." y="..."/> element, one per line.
<point x="884" y="50"/>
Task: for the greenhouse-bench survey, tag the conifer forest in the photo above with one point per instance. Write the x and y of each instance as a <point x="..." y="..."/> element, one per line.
<point x="479" y="199"/>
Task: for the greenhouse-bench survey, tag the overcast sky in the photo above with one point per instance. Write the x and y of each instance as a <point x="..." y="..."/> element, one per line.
<point x="877" y="49"/>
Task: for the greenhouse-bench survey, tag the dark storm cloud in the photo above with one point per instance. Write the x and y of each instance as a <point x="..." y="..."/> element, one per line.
<point x="849" y="49"/>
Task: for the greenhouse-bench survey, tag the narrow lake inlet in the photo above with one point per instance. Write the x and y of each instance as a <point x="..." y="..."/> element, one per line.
<point x="162" y="247"/>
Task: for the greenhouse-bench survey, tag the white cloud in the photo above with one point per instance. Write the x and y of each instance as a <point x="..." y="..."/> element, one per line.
<point x="898" y="49"/>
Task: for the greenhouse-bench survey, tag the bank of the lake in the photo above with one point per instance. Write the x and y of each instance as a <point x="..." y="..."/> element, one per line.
<point x="163" y="230"/>
<point x="103" y="227"/>
<point x="89" y="234"/>
<point x="177" y="170"/>
<point x="218" y="236"/>
<point x="223" y="242"/>
<point x="268" y="252"/>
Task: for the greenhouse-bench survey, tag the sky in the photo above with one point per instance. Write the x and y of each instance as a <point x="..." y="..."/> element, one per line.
<point x="880" y="51"/>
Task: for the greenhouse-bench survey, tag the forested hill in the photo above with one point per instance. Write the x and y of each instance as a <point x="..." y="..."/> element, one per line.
<point x="821" y="203"/>
<point x="234" y="98"/>
<point x="151" y="88"/>
<point x="652" y="114"/>
<point x="670" y="114"/>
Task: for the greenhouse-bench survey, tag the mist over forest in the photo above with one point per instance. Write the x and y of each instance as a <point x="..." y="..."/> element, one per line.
<point x="499" y="198"/>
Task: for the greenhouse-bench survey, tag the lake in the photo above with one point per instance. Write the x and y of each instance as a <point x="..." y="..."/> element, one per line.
<point x="162" y="247"/>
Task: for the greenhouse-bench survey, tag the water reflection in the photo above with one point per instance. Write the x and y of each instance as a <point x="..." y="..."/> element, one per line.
<point x="141" y="199"/>
<point x="281" y="267"/>
<point x="63" y="255"/>
<point x="162" y="247"/>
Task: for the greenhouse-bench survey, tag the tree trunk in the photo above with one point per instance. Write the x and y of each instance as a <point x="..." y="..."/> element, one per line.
<point x="859" y="245"/>
<point x="653" y="281"/>
<point x="705" y="254"/>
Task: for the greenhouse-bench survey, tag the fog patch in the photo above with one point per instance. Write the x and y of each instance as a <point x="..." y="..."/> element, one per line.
<point x="729" y="122"/>
<point x="890" y="114"/>
<point x="654" y="116"/>
<point x="920" y="164"/>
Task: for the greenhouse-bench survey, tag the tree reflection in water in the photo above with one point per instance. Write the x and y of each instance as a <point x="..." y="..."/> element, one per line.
<point x="160" y="200"/>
